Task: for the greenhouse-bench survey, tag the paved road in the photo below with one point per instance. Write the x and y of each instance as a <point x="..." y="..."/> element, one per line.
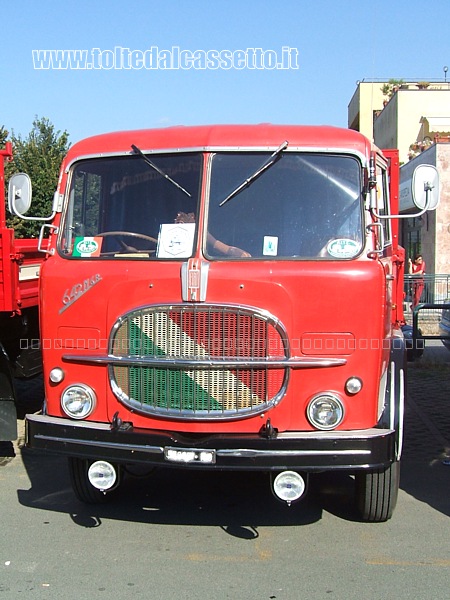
<point x="182" y="535"/>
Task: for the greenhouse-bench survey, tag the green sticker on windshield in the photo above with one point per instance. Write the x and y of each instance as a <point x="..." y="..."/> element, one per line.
<point x="87" y="246"/>
<point x="343" y="248"/>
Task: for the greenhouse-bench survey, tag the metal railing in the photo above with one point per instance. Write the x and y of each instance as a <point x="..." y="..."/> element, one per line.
<point x="424" y="299"/>
<point x="433" y="288"/>
<point x="432" y="334"/>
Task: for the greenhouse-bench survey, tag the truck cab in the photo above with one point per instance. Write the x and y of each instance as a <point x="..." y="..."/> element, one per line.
<point x="226" y="297"/>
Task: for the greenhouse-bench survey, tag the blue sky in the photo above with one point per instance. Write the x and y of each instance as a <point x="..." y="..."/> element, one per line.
<point x="337" y="42"/>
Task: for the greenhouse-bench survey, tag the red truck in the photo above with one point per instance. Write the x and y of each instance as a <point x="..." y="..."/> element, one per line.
<point x="229" y="298"/>
<point x="19" y="331"/>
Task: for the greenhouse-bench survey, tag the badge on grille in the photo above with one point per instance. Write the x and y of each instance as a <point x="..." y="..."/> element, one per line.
<point x="194" y="280"/>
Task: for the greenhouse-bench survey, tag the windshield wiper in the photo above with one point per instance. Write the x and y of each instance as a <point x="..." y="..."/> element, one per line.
<point x="266" y="164"/>
<point x="158" y="170"/>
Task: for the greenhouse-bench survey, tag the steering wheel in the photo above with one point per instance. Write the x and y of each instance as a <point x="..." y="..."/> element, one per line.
<point x="123" y="245"/>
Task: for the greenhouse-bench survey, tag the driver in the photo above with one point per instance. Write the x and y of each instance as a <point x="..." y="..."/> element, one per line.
<point x="214" y="244"/>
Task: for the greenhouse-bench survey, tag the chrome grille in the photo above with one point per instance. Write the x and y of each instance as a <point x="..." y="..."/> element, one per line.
<point x="197" y="362"/>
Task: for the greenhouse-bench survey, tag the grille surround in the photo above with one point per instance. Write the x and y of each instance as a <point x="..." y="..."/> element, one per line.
<point x="198" y="362"/>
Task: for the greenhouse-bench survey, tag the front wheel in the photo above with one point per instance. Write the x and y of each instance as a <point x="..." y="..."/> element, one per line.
<point x="377" y="492"/>
<point x="82" y="487"/>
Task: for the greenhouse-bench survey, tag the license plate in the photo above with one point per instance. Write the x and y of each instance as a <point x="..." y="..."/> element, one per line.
<point x="181" y="455"/>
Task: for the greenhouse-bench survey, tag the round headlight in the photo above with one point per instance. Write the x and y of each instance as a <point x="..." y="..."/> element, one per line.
<point x="78" y="401"/>
<point x="325" y="411"/>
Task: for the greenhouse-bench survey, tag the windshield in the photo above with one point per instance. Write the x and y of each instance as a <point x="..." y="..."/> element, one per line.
<point x="306" y="205"/>
<point x="122" y="207"/>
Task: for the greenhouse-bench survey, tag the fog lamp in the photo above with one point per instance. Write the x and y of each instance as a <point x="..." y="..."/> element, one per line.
<point x="78" y="401"/>
<point x="289" y="486"/>
<point x="325" y="411"/>
<point x="102" y="475"/>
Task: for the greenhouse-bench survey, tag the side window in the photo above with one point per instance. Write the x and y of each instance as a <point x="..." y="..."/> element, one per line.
<point x="83" y="210"/>
<point x="87" y="201"/>
<point x="383" y="202"/>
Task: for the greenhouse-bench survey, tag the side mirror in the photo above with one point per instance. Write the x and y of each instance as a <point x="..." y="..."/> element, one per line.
<point x="19" y="194"/>
<point x="425" y="187"/>
<point x="19" y="198"/>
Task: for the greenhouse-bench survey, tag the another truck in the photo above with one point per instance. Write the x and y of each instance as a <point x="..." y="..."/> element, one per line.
<point x="228" y="298"/>
<point x="19" y="320"/>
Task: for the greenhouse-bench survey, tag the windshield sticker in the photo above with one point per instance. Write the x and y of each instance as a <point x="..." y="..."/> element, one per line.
<point x="175" y="241"/>
<point x="343" y="248"/>
<point x="270" y="245"/>
<point x="87" y="246"/>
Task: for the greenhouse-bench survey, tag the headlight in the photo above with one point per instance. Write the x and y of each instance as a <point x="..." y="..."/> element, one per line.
<point x="325" y="411"/>
<point x="78" y="401"/>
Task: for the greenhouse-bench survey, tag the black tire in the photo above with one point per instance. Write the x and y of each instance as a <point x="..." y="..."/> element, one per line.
<point x="82" y="487"/>
<point x="377" y="492"/>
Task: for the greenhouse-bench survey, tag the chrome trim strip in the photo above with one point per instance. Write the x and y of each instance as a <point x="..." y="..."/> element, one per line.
<point x="246" y="453"/>
<point x="339" y="434"/>
<point x="98" y="444"/>
<point x="401" y="414"/>
<point x="232" y="453"/>
<point x="64" y="421"/>
<point x="190" y="364"/>
<point x="194" y="280"/>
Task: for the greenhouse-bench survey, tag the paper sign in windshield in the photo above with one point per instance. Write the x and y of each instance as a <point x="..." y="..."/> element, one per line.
<point x="176" y="240"/>
<point x="270" y="245"/>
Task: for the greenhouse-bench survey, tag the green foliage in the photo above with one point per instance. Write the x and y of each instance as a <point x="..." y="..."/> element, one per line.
<point x="40" y="155"/>
<point x="391" y="86"/>
<point x="3" y="136"/>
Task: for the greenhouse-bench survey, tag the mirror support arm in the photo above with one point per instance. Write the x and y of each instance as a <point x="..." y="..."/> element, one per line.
<point x="427" y="189"/>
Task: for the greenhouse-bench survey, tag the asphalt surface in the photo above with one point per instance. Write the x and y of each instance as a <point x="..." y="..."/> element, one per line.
<point x="188" y="535"/>
<point x="427" y="410"/>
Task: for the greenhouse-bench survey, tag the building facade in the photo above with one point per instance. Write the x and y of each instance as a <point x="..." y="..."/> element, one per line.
<point x="415" y="118"/>
<point x="429" y="234"/>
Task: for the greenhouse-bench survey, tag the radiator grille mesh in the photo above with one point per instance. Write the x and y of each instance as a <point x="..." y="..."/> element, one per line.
<point x="206" y="333"/>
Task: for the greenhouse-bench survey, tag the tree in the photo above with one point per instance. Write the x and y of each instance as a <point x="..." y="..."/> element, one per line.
<point x="3" y="136"/>
<point x="40" y="155"/>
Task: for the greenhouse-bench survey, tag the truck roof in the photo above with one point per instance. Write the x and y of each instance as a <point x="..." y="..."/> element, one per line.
<point x="259" y="136"/>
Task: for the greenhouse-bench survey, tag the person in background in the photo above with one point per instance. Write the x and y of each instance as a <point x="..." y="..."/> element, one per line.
<point x="417" y="268"/>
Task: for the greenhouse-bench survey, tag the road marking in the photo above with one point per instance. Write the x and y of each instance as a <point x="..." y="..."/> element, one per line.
<point x="387" y="562"/>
